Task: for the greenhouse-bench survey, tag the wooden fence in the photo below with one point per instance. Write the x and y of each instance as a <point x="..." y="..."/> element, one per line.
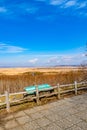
<point x="9" y="98"/>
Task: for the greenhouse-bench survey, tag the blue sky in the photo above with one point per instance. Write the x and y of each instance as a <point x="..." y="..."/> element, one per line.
<point x="42" y="32"/>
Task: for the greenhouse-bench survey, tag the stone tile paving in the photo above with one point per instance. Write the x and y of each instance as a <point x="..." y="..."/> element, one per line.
<point x="65" y="114"/>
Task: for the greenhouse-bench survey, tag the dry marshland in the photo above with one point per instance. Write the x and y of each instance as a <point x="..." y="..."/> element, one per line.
<point x="15" y="71"/>
<point x="15" y="79"/>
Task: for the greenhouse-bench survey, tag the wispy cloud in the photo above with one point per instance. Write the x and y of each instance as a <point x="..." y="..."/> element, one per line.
<point x="57" y="2"/>
<point x="37" y="8"/>
<point x="77" y="7"/>
<point x="82" y="5"/>
<point x="70" y="3"/>
<point x="18" y="9"/>
<point x="33" y="61"/>
<point x="44" y="59"/>
<point x="6" y="48"/>
<point x="54" y="59"/>
<point x="66" y="59"/>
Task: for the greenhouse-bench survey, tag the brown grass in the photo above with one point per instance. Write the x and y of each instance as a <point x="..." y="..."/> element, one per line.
<point x="16" y="79"/>
<point x="15" y="71"/>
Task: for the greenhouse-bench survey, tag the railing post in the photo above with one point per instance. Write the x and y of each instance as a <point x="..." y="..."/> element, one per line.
<point x="37" y="94"/>
<point x="58" y="90"/>
<point x="75" y="88"/>
<point x="7" y="101"/>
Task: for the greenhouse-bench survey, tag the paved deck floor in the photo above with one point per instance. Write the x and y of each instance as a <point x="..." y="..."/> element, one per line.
<point x="66" y="114"/>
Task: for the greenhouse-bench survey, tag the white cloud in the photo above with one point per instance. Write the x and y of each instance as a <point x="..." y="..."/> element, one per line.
<point x="3" y="10"/>
<point x="78" y="7"/>
<point x="67" y="59"/>
<point x="56" y="2"/>
<point x="16" y="10"/>
<point x="61" y="59"/>
<point x="82" y="4"/>
<point x="33" y="61"/>
<point x="53" y="60"/>
<point x="83" y="55"/>
<point x="73" y="57"/>
<point x="5" y="48"/>
<point x="70" y="3"/>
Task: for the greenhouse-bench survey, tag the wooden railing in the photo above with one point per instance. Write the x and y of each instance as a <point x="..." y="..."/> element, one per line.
<point x="8" y="98"/>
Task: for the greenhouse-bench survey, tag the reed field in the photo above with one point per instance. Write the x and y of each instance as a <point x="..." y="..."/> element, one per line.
<point x="15" y="79"/>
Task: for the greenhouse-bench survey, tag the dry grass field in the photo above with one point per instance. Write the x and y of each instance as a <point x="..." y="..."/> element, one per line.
<point x="15" y="79"/>
<point x="15" y="71"/>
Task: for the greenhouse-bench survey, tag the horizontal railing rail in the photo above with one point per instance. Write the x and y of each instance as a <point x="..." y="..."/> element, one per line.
<point x="9" y="98"/>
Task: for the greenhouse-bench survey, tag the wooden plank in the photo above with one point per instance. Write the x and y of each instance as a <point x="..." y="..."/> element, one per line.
<point x="58" y="90"/>
<point x="7" y="101"/>
<point x="82" y="88"/>
<point x="82" y="83"/>
<point x="66" y="85"/>
<point x="1" y="104"/>
<point x="75" y="88"/>
<point x="66" y="91"/>
<point x="18" y="93"/>
<point x="2" y="95"/>
<point x="29" y="98"/>
<point x="47" y="95"/>
<point x="37" y="94"/>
